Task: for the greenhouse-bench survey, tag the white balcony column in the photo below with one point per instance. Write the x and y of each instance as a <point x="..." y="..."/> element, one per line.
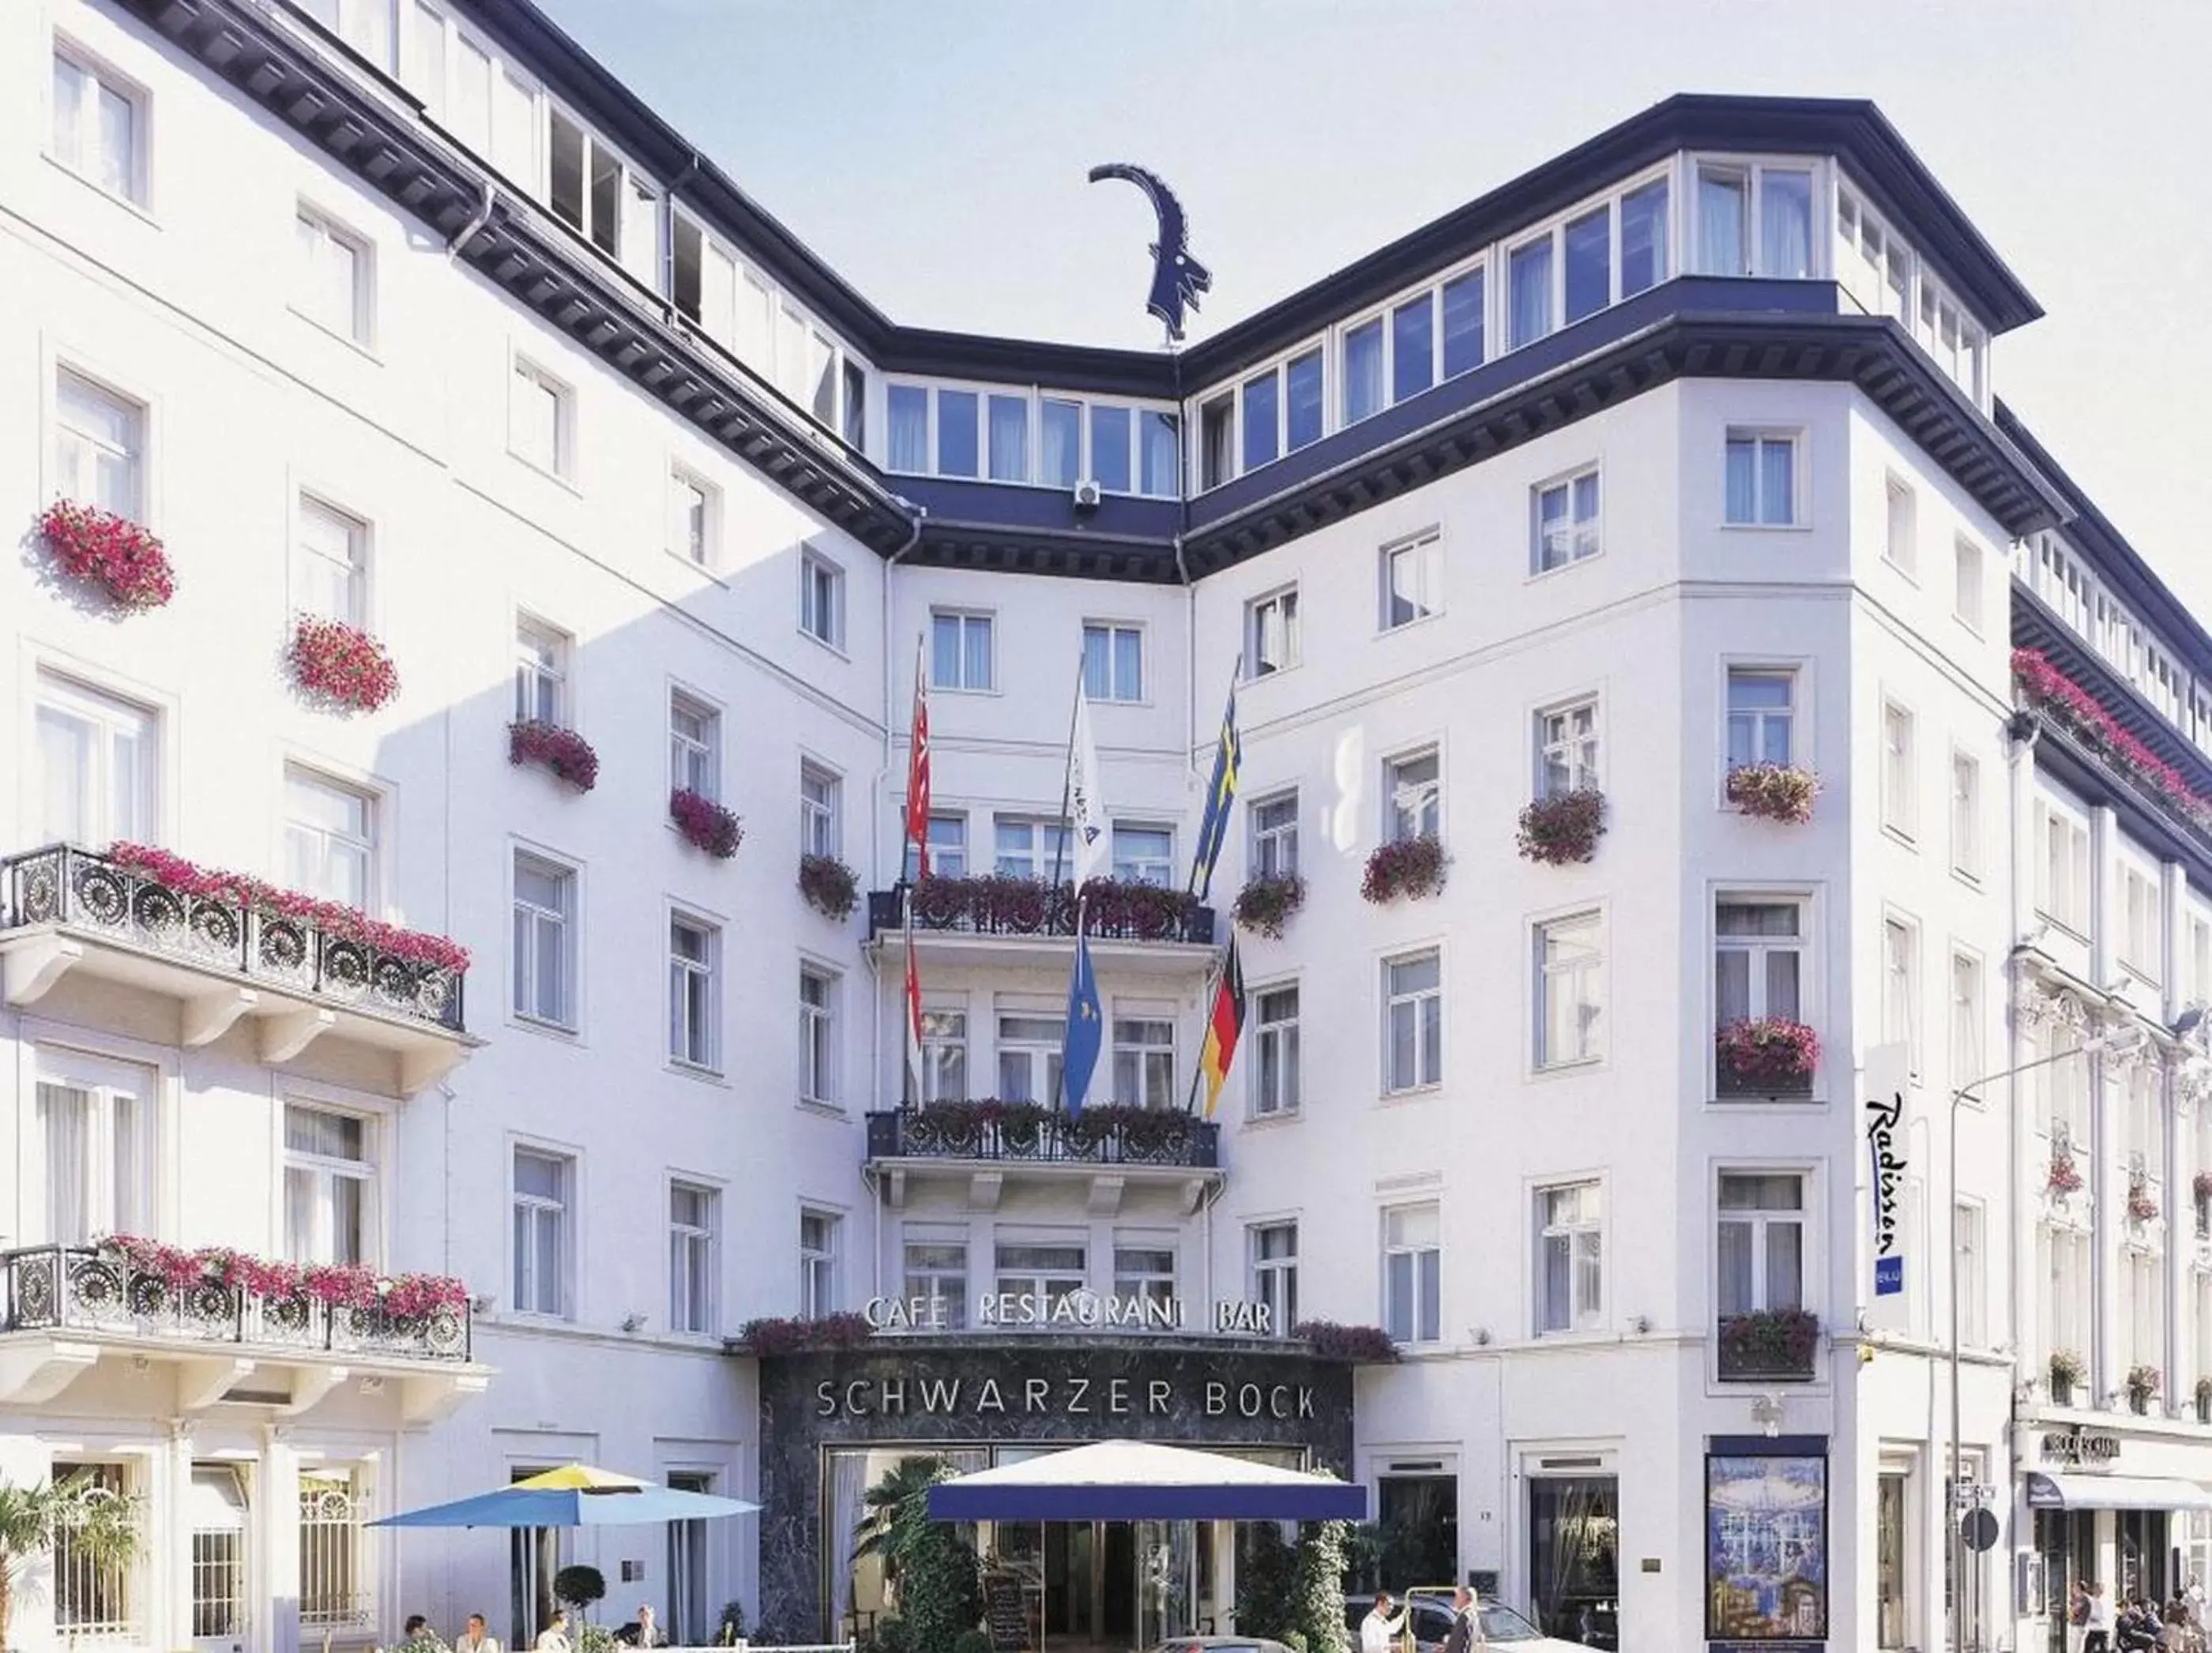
<point x="2179" y="1205"/>
<point x="169" y="1539"/>
<point x="276" y="1540"/>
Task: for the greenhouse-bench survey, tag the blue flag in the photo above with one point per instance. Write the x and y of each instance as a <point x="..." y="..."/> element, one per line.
<point x="1086" y="1024"/>
<point x="1220" y="791"/>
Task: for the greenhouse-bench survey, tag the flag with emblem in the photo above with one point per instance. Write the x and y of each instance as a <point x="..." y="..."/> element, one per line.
<point x="913" y="1013"/>
<point x="1224" y="1024"/>
<point x="917" y="773"/>
<point x="1220" y="793"/>
<point x="1086" y="1027"/>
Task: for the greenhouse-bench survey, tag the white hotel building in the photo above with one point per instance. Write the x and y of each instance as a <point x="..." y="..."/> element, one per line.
<point x="1679" y="451"/>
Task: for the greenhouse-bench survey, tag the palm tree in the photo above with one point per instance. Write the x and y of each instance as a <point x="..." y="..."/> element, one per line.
<point x="907" y="1480"/>
<point x="100" y="1524"/>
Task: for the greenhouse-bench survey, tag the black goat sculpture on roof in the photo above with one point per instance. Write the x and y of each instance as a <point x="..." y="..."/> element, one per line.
<point x="1177" y="278"/>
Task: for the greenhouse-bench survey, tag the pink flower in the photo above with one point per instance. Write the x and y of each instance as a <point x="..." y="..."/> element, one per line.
<point x="564" y="751"/>
<point x="1769" y="1047"/>
<point x="705" y="823"/>
<point x="342" y="664"/>
<point x="2043" y="686"/>
<point x="97" y="547"/>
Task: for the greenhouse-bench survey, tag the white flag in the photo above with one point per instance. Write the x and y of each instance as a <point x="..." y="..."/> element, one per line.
<point x="1090" y="846"/>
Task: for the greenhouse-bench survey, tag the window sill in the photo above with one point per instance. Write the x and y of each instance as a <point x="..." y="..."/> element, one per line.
<point x="1535" y="575"/>
<point x="366" y="352"/>
<point x="823" y="1109"/>
<point x="1246" y="680"/>
<point x="143" y="215"/>
<point x="1269" y="1121"/>
<point x="1411" y="1093"/>
<point x="825" y="644"/>
<point x="1973" y="881"/>
<point x="1910" y="576"/>
<point x="552" y="477"/>
<point x="703" y="570"/>
<point x="1900" y="837"/>
<point x="1766" y="1104"/>
<point x="1765" y="528"/>
<point x="1414" y="624"/>
<point x="554" y="1030"/>
<point x="936" y="687"/>
<point x="1539" y="1071"/>
<point x="696" y="1072"/>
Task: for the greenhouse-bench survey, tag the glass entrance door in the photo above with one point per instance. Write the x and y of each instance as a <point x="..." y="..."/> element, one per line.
<point x="1166" y="1579"/>
<point x="220" y="1523"/>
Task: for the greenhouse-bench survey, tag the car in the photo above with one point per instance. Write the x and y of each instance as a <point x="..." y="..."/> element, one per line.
<point x="1431" y="1613"/>
<point x="1219" y="1644"/>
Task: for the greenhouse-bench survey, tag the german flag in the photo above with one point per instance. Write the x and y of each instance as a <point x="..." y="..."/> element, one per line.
<point x="1224" y="1022"/>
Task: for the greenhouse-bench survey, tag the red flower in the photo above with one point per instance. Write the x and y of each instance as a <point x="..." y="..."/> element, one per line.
<point x="97" y="547"/>
<point x="1411" y="866"/>
<point x="564" y="751"/>
<point x="831" y="887"/>
<point x="1773" y="791"/>
<point x="342" y="664"/>
<point x="2043" y="686"/>
<point x="1769" y="1047"/>
<point x="705" y="823"/>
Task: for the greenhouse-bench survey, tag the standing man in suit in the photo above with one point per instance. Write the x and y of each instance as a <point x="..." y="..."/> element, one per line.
<point x="1465" y="1633"/>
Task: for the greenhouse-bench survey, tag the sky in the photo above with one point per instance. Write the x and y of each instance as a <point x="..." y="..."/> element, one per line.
<point x="935" y="153"/>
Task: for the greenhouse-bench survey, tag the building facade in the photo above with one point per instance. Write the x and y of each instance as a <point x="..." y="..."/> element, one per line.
<point x="1666" y="484"/>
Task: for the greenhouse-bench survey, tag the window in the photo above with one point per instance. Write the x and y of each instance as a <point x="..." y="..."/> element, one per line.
<point x="1029" y="1048"/>
<point x="1901" y="545"/>
<point x="1217" y="425"/>
<point x="1412" y="1021"/>
<point x="1145" y="1270"/>
<point x="817" y="1037"/>
<point x="960" y="652"/>
<point x="821" y="598"/>
<point x="1965" y="816"/>
<point x="364" y="25"/>
<point x="1528" y="292"/>
<point x="99" y="126"/>
<point x="1143" y="1061"/>
<point x="1413" y="797"/>
<point x="695" y="510"/>
<point x="1273" y="1250"/>
<point x="695" y="949"/>
<point x="959" y="450"/>
<point x="937" y="1273"/>
<point x="948" y="849"/>
<point x="330" y="563"/>
<point x="1043" y="1270"/>
<point x="99" y="446"/>
<point x="944" y="1056"/>
<point x="336" y="289"/>
<point x="543" y="1186"/>
<point x="1570" y="990"/>
<point x="906" y="447"/>
<point x="541" y="427"/>
<point x="1275" y="1051"/>
<point x="1113" y="662"/>
<point x="1569" y="1258"/>
<point x="589" y="192"/>
<point x="1901" y="804"/>
<point x="693" y="1294"/>
<point x="541" y="672"/>
<point x="1761" y="1242"/>
<point x="329" y="1186"/>
<point x="545" y="942"/>
<point x="2142" y="1312"/>
<point x="1966" y="583"/>
<point x="855" y="425"/>
<point x="95" y="1121"/>
<point x="1143" y="855"/>
<point x="1413" y="1257"/>
<point x="1966" y="1019"/>
<point x="1110" y="466"/>
<point x="1762" y="479"/>
<point x="1413" y="346"/>
<point x="1758" y="957"/>
<point x="97" y="1600"/>
<point x="1030" y="849"/>
<point x="334" y="1569"/>
<point x="1270" y="632"/>
<point x="1464" y="307"/>
<point x="695" y="746"/>
<point x="1731" y="198"/>
<point x="1761" y="716"/>
<point x="1059" y="430"/>
<point x="1566" y="748"/>
<point x="2067" y="1318"/>
<point x="1413" y="579"/>
<point x="1363" y="371"/>
<point x="2140" y="923"/>
<point x="821" y="810"/>
<point x="818" y="1264"/>
<point x="1160" y="451"/>
<point x="97" y="766"/>
<point x="1010" y="437"/>
<point x="1565" y="522"/>
<point x="1900" y="989"/>
<point x="329" y="838"/>
<point x="1275" y="835"/>
<point x="2062" y="888"/>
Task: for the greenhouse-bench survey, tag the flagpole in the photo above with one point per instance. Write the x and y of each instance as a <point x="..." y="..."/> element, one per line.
<point x="1191" y="888"/>
<point x="1068" y="779"/>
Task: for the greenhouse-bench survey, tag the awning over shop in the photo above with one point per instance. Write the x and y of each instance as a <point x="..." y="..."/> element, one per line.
<point x="2115" y="1492"/>
<point x="1141" y="1480"/>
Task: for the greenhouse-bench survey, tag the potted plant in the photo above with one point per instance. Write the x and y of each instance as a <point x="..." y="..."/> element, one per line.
<point x="117" y="557"/>
<point x="2065" y="1176"/>
<point x="705" y="824"/>
<point x="1773" y="791"/>
<point x="102" y="1526"/>
<point x="341" y="665"/>
<point x="831" y="887"/>
<point x="568" y="754"/>
<point x="2202" y="1190"/>
<point x="1755" y="1050"/>
<point x="2066" y="1371"/>
<point x="2141" y="1206"/>
<point x="2204" y="1400"/>
<point x="1268" y="901"/>
<point x="1770" y="1342"/>
<point x="1409" y="866"/>
<point x="1358" y="1345"/>
<point x="2143" y="1388"/>
<point x="1562" y="827"/>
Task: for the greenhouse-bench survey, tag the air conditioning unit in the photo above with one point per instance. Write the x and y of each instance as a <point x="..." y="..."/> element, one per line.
<point x="1087" y="495"/>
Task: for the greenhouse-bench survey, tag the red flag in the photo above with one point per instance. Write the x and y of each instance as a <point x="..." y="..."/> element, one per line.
<point x="917" y="778"/>
<point x="913" y="1013"/>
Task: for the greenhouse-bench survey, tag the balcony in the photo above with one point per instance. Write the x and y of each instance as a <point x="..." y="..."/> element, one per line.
<point x="986" y="1144"/>
<point x="231" y="956"/>
<point x="998" y="920"/>
<point x="1768" y="1346"/>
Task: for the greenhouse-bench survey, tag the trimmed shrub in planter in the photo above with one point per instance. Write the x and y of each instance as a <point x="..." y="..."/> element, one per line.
<point x="2066" y="1371"/>
<point x="1768" y="1049"/>
<point x="341" y="665"/>
<point x="1564" y="827"/>
<point x="1773" y="791"/>
<point x="831" y="887"/>
<point x="796" y="1334"/>
<point x="1362" y="1345"/>
<point x="120" y="558"/>
<point x="705" y="824"/>
<point x="564" y="751"/>
<point x="1410" y="867"/>
<point x="2142" y="1386"/>
<point x="1268" y="902"/>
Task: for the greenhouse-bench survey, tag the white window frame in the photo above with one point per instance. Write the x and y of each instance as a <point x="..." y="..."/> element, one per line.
<point x="696" y="1046"/>
<point x="1135" y="867"/>
<point x="1418" y="1000"/>
<point x="1275" y="851"/>
<point x="1970" y="1268"/>
<point x="1273" y="1280"/>
<point x="1419" y="1334"/>
<point x="1965" y="994"/>
<point x="315" y="233"/>
<point x="1970" y="586"/>
<point x="1760" y="437"/>
<point x="1424" y="554"/>
<point x="1584" y="537"/>
<point x="562" y="1208"/>
<point x="1117" y="692"/>
<point x="134" y="412"/>
<point x="1584" y="1233"/>
<point x="821" y="809"/>
<point x="694" y="760"/>
<point x="307" y="835"/>
<point x="964" y="618"/>
<point x="121" y="1144"/>
<point x="1965" y="816"/>
<point x="1754" y="170"/>
<point x="566" y="929"/>
<point x="1281" y="1035"/>
<point x="1579" y="752"/>
<point x="695" y="518"/>
<point x="1798" y="713"/>
<point x="1425" y="818"/>
<point x="820" y="1081"/>
<point x="1585" y="979"/>
<point x="1900" y="770"/>
<point x="110" y="720"/>
<point x="561" y="396"/>
<point x="1276" y="609"/>
<point x="1806" y="1216"/>
<point x="312" y="567"/>
<point x="327" y="1170"/>
<point x="543" y="652"/>
<point x="819" y="1265"/>
<point x="821" y="598"/>
<point x="2064" y="901"/>
<point x="943" y="1052"/>
<point x="1758" y="946"/>
<point x="694" y="1259"/>
<point x="137" y="191"/>
<point x="927" y="1278"/>
<point x="1900" y="988"/>
<point x="1900" y="541"/>
<point x="1144" y="1066"/>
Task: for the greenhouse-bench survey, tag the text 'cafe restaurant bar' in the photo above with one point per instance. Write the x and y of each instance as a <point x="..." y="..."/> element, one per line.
<point x="839" y="1412"/>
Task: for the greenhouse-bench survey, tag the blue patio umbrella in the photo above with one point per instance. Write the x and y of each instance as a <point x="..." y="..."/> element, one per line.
<point x="574" y="1495"/>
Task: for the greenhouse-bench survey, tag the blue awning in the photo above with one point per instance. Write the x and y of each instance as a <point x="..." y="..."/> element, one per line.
<point x="2115" y="1492"/>
<point x="1142" y="1481"/>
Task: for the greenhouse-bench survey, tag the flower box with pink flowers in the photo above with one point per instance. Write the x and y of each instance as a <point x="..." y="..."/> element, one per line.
<point x="705" y="824"/>
<point x="99" y="551"/>
<point x="1773" y="791"/>
<point x="562" y="752"/>
<point x="341" y="666"/>
<point x="1767" y="1055"/>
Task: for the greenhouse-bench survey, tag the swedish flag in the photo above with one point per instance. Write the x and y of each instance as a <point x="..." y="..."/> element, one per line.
<point x="1213" y="832"/>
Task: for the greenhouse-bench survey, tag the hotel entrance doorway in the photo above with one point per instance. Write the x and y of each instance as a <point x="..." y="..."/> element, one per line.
<point x="1105" y="1585"/>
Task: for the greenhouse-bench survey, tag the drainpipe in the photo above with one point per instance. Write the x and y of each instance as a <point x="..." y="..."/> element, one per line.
<point x="476" y="221"/>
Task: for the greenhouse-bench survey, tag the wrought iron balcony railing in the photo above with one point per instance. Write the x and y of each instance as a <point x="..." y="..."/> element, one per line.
<point x="1023" y="1133"/>
<point x="1114" y="910"/>
<point x="1768" y="1346"/>
<point x="61" y="885"/>
<point x="95" y="1288"/>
